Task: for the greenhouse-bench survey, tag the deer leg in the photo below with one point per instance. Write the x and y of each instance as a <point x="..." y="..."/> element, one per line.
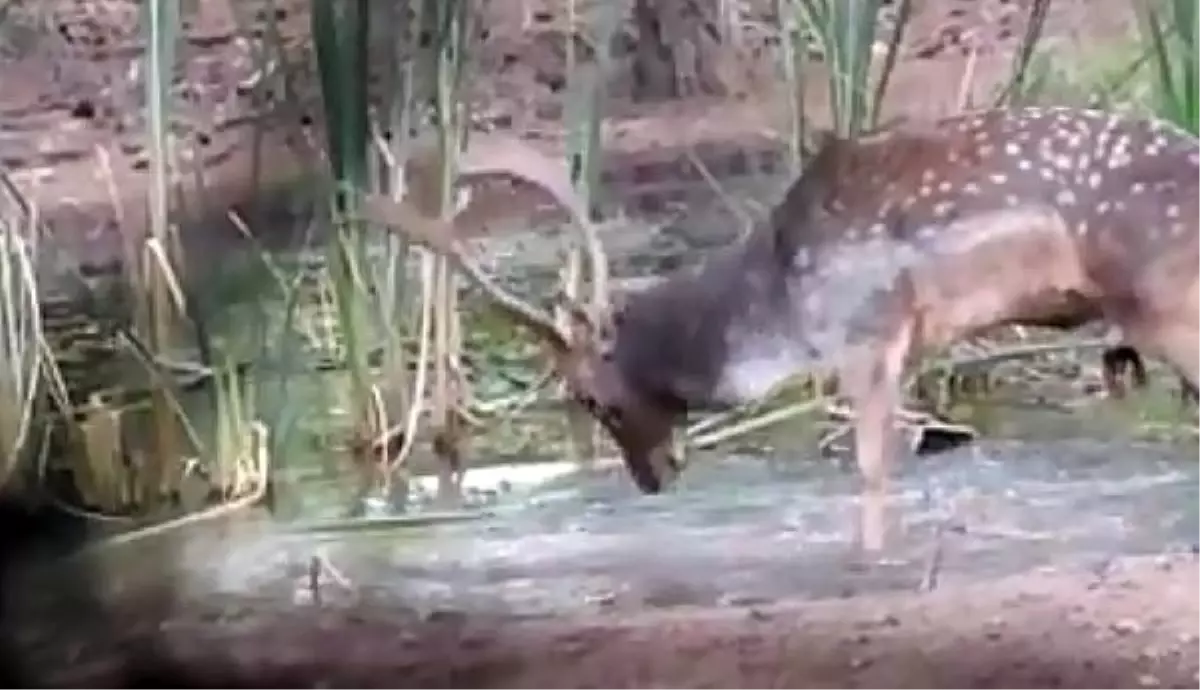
<point x="1179" y="345"/>
<point x="1188" y="393"/>
<point x="1116" y="362"/>
<point x="1174" y="335"/>
<point x="1122" y="360"/>
<point x="875" y="394"/>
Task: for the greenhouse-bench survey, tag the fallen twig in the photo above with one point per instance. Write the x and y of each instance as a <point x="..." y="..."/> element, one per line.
<point x="755" y="423"/>
<point x="933" y="567"/>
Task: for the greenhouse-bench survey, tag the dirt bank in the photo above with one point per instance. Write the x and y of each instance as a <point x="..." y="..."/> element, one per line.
<point x="1131" y="623"/>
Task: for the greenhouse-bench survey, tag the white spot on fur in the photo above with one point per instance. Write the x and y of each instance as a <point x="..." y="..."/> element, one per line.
<point x="803" y="259"/>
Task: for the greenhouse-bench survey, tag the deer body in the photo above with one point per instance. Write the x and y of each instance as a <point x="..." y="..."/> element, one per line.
<point x="889" y="245"/>
<point x="909" y="240"/>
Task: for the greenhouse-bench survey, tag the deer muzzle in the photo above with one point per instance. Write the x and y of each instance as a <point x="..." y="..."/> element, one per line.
<point x="645" y="440"/>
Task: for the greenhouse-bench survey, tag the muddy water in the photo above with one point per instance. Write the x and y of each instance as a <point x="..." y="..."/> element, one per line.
<point x="737" y="530"/>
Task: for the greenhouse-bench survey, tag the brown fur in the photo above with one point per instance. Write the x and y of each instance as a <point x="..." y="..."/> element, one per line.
<point x="912" y="239"/>
<point x="905" y="240"/>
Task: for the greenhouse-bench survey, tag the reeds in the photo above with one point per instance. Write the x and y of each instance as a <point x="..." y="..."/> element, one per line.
<point x="583" y="114"/>
<point x="844" y="32"/>
<point x="22" y="347"/>
<point x="232" y="459"/>
<point x="1168" y="32"/>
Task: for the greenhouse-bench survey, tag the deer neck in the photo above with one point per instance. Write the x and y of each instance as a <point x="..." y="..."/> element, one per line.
<point x="714" y="335"/>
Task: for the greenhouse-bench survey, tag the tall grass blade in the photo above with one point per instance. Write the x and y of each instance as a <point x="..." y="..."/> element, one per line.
<point x="584" y="110"/>
<point x="340" y="36"/>
<point x="21" y="337"/>
<point x="161" y="24"/>
<point x="844" y="31"/>
<point x="895" y="40"/>
<point x="1020" y="72"/>
<point x="1168" y="27"/>
<point x="794" y="63"/>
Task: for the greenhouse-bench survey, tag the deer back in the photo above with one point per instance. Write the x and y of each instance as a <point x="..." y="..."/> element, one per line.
<point x="1038" y="216"/>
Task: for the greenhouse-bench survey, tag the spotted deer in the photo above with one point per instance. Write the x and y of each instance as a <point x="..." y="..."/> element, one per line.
<point x="886" y="246"/>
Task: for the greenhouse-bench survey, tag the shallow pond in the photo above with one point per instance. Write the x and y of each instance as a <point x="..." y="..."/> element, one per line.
<point x="736" y="530"/>
<point x="763" y="520"/>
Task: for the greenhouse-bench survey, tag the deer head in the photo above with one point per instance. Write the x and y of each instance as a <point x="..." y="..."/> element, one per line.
<point x="580" y="350"/>
<point x="640" y="426"/>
